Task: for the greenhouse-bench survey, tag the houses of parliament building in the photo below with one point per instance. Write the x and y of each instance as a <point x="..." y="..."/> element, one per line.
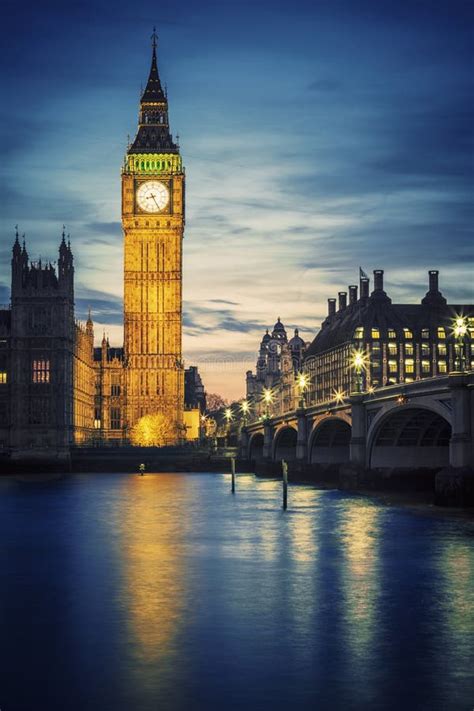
<point x="56" y="388"/>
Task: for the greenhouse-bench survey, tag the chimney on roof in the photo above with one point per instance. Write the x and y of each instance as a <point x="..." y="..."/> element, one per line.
<point x="433" y="275"/>
<point x="331" y="307"/>
<point x="378" y="279"/>
<point x="352" y="294"/>
<point x="378" y="292"/>
<point x="342" y="300"/>
<point x="364" y="287"/>
<point x="433" y="296"/>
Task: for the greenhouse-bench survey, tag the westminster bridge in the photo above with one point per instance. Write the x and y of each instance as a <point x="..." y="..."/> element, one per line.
<point x="428" y="423"/>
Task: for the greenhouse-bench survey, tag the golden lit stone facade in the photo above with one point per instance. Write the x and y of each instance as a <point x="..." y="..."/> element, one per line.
<point x="153" y="224"/>
<point x="83" y="382"/>
<point x="56" y="389"/>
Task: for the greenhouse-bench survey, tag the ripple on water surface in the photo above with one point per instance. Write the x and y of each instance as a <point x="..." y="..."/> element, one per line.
<point x="168" y="592"/>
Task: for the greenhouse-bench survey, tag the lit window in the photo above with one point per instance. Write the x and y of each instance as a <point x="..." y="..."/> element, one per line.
<point x="376" y="347"/>
<point x="391" y="333"/>
<point x="442" y="367"/>
<point x="375" y="364"/>
<point x="409" y="349"/>
<point x="392" y="366"/>
<point x="392" y="349"/>
<point x="3" y="377"/>
<point x="425" y="349"/>
<point x="375" y="333"/>
<point x="359" y="332"/>
<point x="409" y="365"/>
<point x="441" y="333"/>
<point x="40" y="372"/>
<point x="407" y="333"/>
<point x="425" y="366"/>
<point x="442" y="349"/>
<point x="425" y="333"/>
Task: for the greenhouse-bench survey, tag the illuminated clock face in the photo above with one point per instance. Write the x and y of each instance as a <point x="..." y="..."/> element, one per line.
<point x="152" y="196"/>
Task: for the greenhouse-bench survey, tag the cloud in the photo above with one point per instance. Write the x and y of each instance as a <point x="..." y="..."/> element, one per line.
<point x="105" y="308"/>
<point x="105" y="228"/>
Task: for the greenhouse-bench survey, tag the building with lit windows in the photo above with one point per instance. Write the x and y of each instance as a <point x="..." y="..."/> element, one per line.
<point x="396" y="343"/>
<point x="399" y="343"/>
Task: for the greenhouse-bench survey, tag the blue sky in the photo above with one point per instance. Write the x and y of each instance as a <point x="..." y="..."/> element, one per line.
<point x="317" y="137"/>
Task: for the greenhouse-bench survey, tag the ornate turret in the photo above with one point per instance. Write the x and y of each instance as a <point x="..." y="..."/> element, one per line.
<point x="90" y="325"/>
<point x="279" y="331"/>
<point x="153" y="134"/>
<point x="18" y="263"/>
<point x="65" y="264"/>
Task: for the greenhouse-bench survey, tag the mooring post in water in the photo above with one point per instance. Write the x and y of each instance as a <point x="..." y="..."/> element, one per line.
<point x="141" y="469"/>
<point x="232" y="469"/>
<point x="284" y="468"/>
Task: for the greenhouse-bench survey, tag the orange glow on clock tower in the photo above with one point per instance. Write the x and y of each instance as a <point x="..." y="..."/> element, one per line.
<point x="153" y="226"/>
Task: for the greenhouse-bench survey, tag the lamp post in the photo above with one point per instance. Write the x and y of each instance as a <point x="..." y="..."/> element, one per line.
<point x="228" y="417"/>
<point x="203" y="422"/>
<point x="302" y="382"/>
<point x="460" y="330"/>
<point x="267" y="399"/>
<point x="359" y="364"/>
<point x="245" y="409"/>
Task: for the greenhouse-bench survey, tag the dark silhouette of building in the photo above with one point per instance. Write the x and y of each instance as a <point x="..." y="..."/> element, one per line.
<point x="46" y="367"/>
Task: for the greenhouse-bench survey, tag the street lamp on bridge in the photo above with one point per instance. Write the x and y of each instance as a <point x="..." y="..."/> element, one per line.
<point x="228" y="416"/>
<point x="245" y="409"/>
<point x="302" y="382"/>
<point x="267" y="399"/>
<point x="459" y="330"/>
<point x="359" y="364"/>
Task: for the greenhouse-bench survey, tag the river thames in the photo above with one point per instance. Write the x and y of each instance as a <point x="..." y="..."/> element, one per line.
<point x="120" y="592"/>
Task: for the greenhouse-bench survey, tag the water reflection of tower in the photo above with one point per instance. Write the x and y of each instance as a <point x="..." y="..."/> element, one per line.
<point x="154" y="585"/>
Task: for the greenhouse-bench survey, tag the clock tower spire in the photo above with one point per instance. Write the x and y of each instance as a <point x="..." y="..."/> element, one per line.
<point x="153" y="226"/>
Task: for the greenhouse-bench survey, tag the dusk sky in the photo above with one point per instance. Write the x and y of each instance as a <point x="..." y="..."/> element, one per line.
<point x="317" y="137"/>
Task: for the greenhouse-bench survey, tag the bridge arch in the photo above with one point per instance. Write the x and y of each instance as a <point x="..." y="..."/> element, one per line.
<point x="284" y="444"/>
<point x="255" y="446"/>
<point x="329" y="441"/>
<point x="412" y="436"/>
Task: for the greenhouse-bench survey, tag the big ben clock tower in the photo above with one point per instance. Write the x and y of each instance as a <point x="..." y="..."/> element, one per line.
<point x="153" y="225"/>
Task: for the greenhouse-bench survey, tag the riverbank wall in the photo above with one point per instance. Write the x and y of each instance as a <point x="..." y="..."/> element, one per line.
<point x="442" y="486"/>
